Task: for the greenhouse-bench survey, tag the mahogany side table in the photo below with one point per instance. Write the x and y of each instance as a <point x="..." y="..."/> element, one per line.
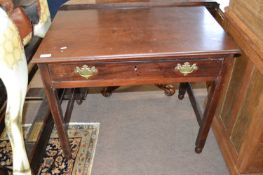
<point x="134" y="46"/>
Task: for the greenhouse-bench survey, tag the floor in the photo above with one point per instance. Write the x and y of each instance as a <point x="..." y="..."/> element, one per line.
<point x="145" y="132"/>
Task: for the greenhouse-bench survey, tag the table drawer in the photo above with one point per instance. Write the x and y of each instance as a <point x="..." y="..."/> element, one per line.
<point x="134" y="71"/>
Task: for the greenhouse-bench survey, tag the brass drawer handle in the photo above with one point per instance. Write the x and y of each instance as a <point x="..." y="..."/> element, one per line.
<point x="86" y="71"/>
<point x="186" y="68"/>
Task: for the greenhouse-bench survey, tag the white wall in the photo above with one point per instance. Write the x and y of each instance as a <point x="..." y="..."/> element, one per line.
<point x="223" y="3"/>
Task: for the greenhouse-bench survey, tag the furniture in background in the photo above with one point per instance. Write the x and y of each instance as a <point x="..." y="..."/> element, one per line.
<point x="238" y="124"/>
<point x="145" y="51"/>
<point x="13" y="72"/>
<point x="54" y="6"/>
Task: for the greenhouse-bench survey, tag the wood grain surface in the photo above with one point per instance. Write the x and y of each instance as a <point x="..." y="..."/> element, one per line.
<point x="135" y="33"/>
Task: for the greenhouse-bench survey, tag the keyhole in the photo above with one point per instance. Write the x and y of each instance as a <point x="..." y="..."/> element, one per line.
<point x="135" y="68"/>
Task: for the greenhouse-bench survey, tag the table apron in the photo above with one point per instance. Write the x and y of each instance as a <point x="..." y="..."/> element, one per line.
<point x="69" y="75"/>
<point x="130" y="82"/>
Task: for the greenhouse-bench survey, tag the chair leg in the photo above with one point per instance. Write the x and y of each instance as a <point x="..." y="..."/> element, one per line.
<point x="81" y="94"/>
<point x="107" y="91"/>
<point x="182" y="90"/>
<point x="169" y="90"/>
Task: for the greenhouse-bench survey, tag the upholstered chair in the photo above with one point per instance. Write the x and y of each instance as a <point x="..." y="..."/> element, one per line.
<point x="14" y="74"/>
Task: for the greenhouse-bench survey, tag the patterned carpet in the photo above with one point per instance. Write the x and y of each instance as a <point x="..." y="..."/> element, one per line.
<point x="83" y="139"/>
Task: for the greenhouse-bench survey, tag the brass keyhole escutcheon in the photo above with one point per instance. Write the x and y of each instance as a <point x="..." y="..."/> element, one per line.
<point x="186" y="68"/>
<point x="86" y="71"/>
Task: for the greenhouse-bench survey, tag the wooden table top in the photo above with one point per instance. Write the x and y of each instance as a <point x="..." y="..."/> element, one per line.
<point x="118" y="34"/>
<point x="74" y="2"/>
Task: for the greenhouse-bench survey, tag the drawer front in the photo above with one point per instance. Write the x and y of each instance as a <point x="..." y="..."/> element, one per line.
<point x="135" y="71"/>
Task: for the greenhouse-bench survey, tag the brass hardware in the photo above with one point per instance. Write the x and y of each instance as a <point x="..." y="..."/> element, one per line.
<point x="186" y="68"/>
<point x="86" y="71"/>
